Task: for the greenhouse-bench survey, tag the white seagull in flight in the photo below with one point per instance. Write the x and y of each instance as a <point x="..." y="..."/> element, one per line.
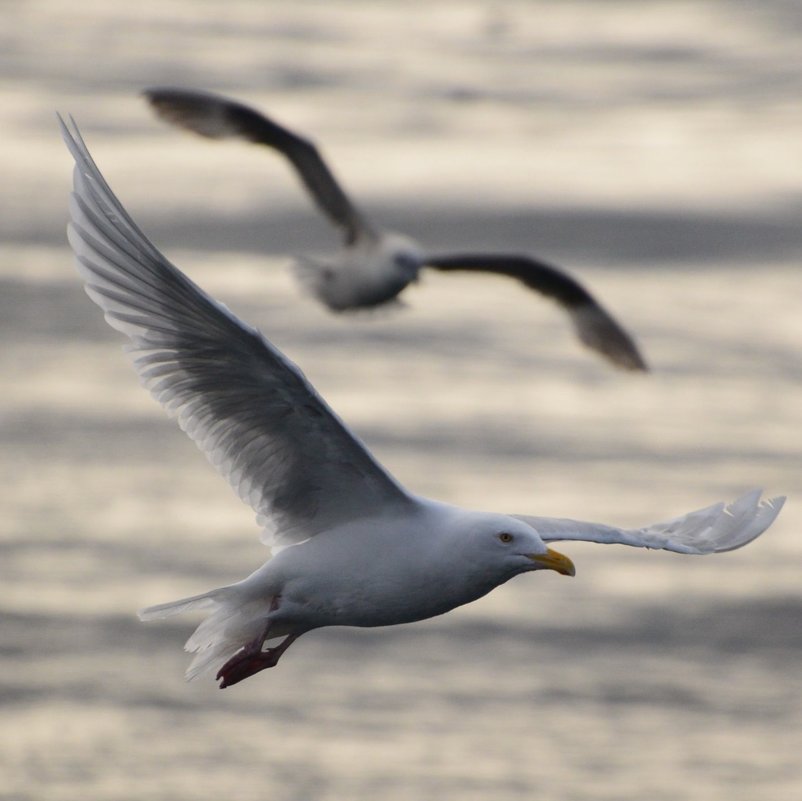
<point x="350" y="546"/>
<point x="374" y="266"/>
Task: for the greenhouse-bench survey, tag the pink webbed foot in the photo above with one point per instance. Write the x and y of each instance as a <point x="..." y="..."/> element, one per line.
<point x="247" y="662"/>
<point x="242" y="665"/>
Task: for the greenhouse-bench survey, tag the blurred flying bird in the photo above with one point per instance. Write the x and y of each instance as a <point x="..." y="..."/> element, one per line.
<point x="350" y="545"/>
<point x="374" y="266"/>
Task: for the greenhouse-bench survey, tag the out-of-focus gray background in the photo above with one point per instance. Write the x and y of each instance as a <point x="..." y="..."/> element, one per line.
<point x="652" y="148"/>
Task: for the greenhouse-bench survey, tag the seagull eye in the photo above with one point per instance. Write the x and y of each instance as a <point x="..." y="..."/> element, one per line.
<point x="505" y="537"/>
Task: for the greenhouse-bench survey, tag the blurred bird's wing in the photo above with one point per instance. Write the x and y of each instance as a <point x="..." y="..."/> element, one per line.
<point x="721" y="527"/>
<point x="597" y="329"/>
<point x="247" y="407"/>
<point x="218" y="117"/>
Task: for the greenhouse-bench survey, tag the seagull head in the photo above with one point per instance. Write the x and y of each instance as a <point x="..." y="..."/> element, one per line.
<point x="401" y="258"/>
<point x="500" y="547"/>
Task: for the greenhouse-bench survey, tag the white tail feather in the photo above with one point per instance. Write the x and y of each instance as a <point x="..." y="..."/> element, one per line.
<point x="234" y="621"/>
<point x="161" y="611"/>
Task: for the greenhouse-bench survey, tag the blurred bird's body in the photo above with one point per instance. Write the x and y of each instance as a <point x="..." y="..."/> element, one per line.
<point x="374" y="265"/>
<point x="371" y="272"/>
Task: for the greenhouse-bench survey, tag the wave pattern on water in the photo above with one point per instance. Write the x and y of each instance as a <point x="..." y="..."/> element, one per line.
<point x="647" y="147"/>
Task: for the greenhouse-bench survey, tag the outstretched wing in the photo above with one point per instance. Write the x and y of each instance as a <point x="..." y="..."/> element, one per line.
<point x="218" y="117"/>
<point x="594" y="326"/>
<point x="246" y="406"/>
<point x="721" y="527"/>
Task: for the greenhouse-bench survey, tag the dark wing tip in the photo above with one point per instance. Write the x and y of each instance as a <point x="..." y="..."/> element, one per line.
<point x="201" y="113"/>
<point x="600" y="332"/>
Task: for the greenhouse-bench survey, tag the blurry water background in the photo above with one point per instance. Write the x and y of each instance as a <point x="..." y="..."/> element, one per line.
<point x="652" y="148"/>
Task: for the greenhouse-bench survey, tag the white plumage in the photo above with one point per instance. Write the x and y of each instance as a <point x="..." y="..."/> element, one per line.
<point x="350" y="545"/>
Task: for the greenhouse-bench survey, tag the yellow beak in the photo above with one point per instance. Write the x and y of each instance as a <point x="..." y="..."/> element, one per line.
<point x="554" y="561"/>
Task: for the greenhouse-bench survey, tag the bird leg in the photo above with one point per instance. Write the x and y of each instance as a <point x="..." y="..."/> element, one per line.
<point x="251" y="658"/>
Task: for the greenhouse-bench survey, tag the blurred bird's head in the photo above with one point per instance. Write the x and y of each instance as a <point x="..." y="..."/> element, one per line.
<point x="401" y="258"/>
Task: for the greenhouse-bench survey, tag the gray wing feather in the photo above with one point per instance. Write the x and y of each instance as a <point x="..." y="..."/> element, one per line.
<point x="717" y="528"/>
<point x="250" y="410"/>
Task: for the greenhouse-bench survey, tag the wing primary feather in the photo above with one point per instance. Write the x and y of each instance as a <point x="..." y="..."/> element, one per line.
<point x="251" y="410"/>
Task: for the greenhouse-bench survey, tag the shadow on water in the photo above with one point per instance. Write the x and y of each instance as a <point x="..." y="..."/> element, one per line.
<point x="100" y="441"/>
<point x="626" y="238"/>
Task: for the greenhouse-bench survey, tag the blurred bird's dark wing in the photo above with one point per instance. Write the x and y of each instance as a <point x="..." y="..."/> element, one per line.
<point x="597" y="329"/>
<point x="218" y="117"/>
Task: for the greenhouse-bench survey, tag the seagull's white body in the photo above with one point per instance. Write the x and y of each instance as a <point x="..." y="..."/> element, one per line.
<point x="424" y="545"/>
<point x="350" y="545"/>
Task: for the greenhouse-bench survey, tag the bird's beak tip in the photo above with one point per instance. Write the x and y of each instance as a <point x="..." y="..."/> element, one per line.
<point x="554" y="560"/>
